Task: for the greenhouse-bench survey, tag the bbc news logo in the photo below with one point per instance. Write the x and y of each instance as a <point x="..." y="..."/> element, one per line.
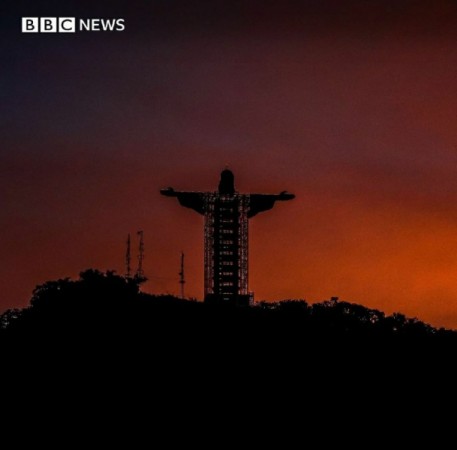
<point x="69" y="24"/>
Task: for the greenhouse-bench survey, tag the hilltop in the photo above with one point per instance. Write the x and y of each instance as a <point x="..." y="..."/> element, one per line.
<point x="105" y="304"/>
<point x="100" y="337"/>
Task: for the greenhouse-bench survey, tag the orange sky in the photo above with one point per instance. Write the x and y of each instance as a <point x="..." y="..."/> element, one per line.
<point x="351" y="108"/>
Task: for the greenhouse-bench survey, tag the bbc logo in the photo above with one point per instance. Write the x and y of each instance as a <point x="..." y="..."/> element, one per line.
<point x="48" y="24"/>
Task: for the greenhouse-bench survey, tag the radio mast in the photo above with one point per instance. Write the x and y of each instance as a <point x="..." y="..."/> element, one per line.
<point x="181" y="275"/>
<point x="139" y="271"/>
<point x="128" y="259"/>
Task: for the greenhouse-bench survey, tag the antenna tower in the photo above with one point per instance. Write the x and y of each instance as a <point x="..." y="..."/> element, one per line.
<point x="128" y="259"/>
<point x="181" y="275"/>
<point x="140" y="272"/>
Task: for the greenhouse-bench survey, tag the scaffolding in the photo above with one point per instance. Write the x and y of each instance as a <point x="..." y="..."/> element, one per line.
<point x="226" y="246"/>
<point x="227" y="214"/>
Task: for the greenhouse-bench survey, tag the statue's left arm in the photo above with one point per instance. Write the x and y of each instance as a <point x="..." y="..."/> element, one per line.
<point x="263" y="202"/>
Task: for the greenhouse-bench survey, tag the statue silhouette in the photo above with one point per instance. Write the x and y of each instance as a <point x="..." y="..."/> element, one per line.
<point x="226" y="234"/>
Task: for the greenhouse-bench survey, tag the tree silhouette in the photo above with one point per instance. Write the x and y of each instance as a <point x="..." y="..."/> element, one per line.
<point x="105" y="304"/>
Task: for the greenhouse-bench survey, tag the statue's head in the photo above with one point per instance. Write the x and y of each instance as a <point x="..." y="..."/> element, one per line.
<point x="227" y="183"/>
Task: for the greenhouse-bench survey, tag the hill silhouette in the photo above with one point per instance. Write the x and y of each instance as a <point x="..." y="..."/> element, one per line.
<point x="105" y="305"/>
<point x="100" y="339"/>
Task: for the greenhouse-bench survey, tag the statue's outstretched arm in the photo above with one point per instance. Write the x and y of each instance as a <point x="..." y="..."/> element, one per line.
<point x="263" y="202"/>
<point x="192" y="200"/>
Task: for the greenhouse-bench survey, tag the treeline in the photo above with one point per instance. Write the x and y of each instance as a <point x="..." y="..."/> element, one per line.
<point x="108" y="304"/>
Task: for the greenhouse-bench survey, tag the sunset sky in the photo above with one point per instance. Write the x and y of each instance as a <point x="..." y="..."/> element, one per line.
<point x="350" y="105"/>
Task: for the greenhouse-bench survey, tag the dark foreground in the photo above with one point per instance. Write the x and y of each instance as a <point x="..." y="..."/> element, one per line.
<point x="106" y="315"/>
<point x="100" y="346"/>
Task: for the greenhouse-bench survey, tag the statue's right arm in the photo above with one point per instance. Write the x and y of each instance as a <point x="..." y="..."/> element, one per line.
<point x="192" y="200"/>
<point x="169" y="192"/>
